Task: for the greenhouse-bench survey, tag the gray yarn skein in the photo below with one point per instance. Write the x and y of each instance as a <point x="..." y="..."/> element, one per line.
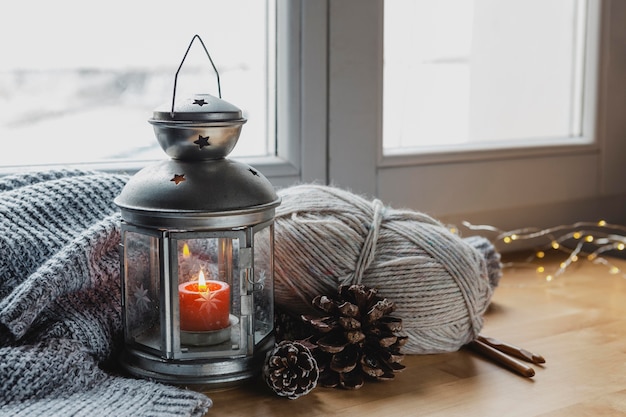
<point x="441" y="284"/>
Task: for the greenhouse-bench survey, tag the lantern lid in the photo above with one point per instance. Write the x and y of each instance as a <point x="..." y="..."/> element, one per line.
<point x="198" y="187"/>
<point x="200" y="127"/>
<point x="176" y="193"/>
<point x="198" y="108"/>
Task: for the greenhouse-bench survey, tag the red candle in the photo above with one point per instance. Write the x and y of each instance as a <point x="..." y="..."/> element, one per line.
<point x="204" y="305"/>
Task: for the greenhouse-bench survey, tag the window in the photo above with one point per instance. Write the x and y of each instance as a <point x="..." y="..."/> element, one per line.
<point x="533" y="185"/>
<point x="326" y="115"/>
<point x="78" y="80"/>
<point x="468" y="74"/>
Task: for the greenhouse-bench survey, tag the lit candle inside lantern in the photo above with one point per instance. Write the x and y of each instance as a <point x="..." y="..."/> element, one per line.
<point x="204" y="305"/>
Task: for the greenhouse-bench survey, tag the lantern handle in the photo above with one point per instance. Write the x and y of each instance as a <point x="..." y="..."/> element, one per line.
<point x="219" y="87"/>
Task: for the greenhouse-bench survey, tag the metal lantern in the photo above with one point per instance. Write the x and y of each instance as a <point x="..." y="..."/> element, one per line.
<point x="197" y="239"/>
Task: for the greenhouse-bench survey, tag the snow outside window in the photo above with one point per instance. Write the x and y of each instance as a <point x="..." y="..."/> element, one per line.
<point x="79" y="80"/>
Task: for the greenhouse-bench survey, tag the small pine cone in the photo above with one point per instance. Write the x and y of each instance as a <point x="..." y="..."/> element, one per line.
<point x="356" y="338"/>
<point x="290" y="370"/>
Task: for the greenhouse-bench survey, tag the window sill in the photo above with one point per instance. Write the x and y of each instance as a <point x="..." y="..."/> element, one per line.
<point x="487" y="152"/>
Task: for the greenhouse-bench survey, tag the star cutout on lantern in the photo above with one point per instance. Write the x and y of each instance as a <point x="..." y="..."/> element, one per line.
<point x="141" y="298"/>
<point x="202" y="141"/>
<point x="178" y="178"/>
<point x="200" y="102"/>
<point x="208" y="300"/>
<point x="256" y="174"/>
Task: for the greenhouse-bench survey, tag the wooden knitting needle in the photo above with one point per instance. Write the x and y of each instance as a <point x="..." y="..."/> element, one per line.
<point x="512" y="350"/>
<point x="502" y="358"/>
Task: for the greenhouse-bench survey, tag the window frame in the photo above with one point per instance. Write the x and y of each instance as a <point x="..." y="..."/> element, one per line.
<point x="300" y="88"/>
<point x="585" y="143"/>
<point x="516" y="187"/>
<point x="296" y="101"/>
<point x="301" y="95"/>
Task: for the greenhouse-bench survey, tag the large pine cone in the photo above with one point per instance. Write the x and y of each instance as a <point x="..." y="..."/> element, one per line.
<point x="290" y="370"/>
<point x="356" y="339"/>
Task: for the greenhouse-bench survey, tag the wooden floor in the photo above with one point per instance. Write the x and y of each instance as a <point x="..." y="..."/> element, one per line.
<point x="577" y="322"/>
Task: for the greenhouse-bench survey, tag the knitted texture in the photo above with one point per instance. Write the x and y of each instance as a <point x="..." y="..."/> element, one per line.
<point x="441" y="284"/>
<point x="60" y="324"/>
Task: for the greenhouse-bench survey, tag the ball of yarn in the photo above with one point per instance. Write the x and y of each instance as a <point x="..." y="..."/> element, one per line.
<point x="441" y="284"/>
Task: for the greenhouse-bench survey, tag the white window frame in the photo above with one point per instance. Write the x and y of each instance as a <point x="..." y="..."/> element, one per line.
<point x="301" y="95"/>
<point x="510" y="188"/>
<point x="299" y="107"/>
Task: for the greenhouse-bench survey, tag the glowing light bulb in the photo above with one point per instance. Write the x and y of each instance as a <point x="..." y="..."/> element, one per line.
<point x="602" y="223"/>
<point x="620" y="246"/>
<point x="614" y="270"/>
<point x="549" y="278"/>
<point x="576" y="235"/>
<point x="540" y="254"/>
<point x="555" y="245"/>
<point x="507" y="239"/>
<point x="589" y="238"/>
<point x="540" y="269"/>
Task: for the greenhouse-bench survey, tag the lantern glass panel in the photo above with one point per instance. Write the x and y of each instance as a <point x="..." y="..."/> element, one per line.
<point x="142" y="288"/>
<point x="209" y="295"/>
<point x="263" y="284"/>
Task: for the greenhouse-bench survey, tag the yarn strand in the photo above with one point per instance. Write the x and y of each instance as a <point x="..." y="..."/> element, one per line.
<point x="369" y="246"/>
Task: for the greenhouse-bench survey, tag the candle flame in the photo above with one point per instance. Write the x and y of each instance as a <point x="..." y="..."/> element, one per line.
<point x="186" y="251"/>
<point x="201" y="282"/>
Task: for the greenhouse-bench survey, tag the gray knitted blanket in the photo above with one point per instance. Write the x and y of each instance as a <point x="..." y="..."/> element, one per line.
<point x="60" y="323"/>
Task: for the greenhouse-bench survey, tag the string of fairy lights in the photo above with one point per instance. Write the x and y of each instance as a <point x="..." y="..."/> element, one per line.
<point x="580" y="241"/>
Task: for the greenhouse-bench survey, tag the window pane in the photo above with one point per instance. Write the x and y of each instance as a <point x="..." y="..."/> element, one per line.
<point x="464" y="74"/>
<point x="79" y="80"/>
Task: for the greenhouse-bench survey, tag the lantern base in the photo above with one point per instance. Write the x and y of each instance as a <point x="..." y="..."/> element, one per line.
<point x="209" y="373"/>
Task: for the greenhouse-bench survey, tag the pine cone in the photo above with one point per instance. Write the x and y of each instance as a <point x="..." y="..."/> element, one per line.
<point x="356" y="339"/>
<point x="290" y="370"/>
